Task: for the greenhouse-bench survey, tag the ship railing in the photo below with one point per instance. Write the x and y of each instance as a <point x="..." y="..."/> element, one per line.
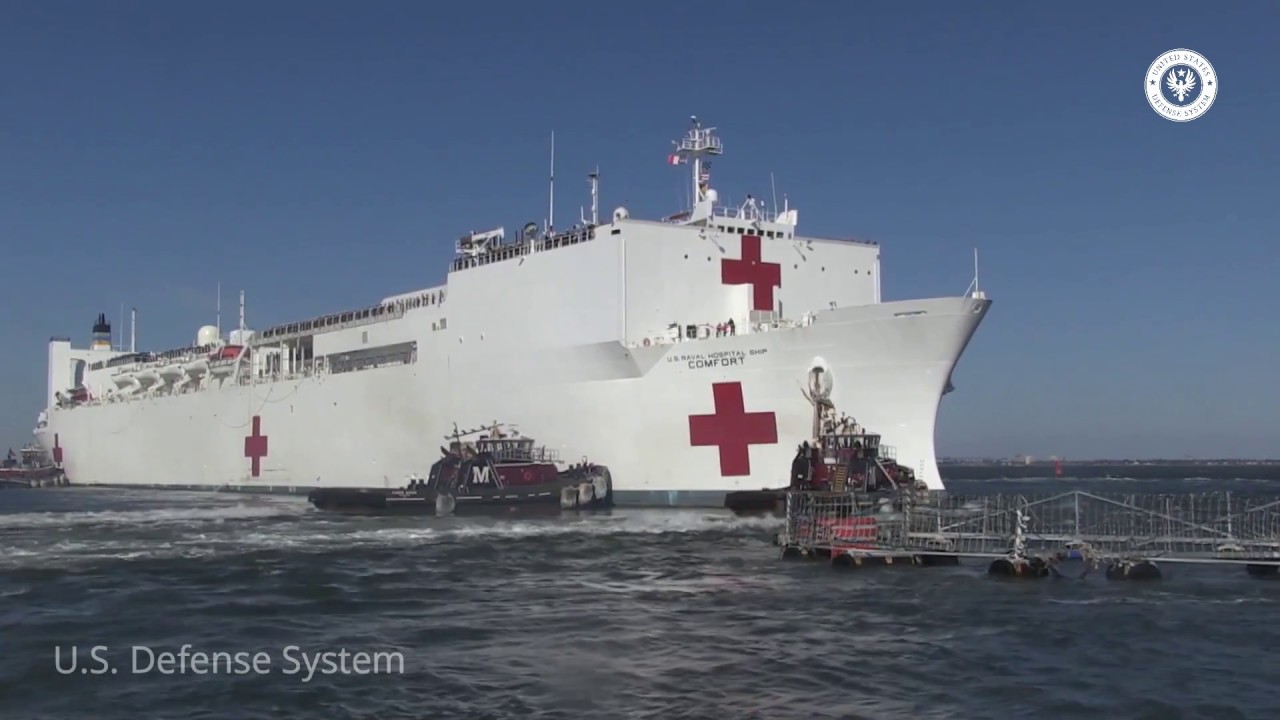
<point x="699" y="140"/>
<point x="707" y="331"/>
<point x="746" y="213"/>
<point x="782" y="324"/>
<point x="499" y="254"/>
<point x="521" y="248"/>
<point x="393" y="310"/>
<point x="572" y="236"/>
<point x="537" y="454"/>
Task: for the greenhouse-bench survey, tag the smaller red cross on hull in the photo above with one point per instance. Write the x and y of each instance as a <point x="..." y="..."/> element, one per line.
<point x="732" y="429"/>
<point x="751" y="270"/>
<point x="255" y="446"/>
<point x="57" y="450"/>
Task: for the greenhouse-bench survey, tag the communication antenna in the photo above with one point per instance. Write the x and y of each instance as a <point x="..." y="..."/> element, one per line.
<point x="218" y="316"/>
<point x="774" y="187"/>
<point x="595" y="196"/>
<point x="551" y="202"/>
<point x="133" y="330"/>
<point x="242" y="312"/>
<point x="120" y="330"/>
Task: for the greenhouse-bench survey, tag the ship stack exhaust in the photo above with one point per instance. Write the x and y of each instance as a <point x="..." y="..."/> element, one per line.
<point x="101" y="339"/>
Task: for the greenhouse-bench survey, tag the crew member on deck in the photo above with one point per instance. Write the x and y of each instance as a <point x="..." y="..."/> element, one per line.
<point x="800" y="468"/>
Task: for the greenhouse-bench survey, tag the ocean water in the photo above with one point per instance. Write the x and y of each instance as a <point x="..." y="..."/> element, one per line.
<point x="632" y="614"/>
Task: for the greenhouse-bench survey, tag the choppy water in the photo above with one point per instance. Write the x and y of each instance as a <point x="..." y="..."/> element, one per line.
<point x="636" y="614"/>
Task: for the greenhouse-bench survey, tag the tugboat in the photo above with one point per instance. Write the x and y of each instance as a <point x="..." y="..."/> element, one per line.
<point x="31" y="467"/>
<point x="499" y="472"/>
<point x="843" y="458"/>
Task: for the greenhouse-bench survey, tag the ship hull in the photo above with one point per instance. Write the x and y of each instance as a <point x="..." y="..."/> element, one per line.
<point x="626" y="407"/>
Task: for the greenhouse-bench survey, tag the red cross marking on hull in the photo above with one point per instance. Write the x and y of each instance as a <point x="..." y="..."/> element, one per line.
<point x="732" y="429"/>
<point x="57" y="450"/>
<point x="751" y="270"/>
<point x="255" y="446"/>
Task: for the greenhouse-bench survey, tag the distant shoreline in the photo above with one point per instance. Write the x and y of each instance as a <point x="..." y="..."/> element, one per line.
<point x="1157" y="469"/>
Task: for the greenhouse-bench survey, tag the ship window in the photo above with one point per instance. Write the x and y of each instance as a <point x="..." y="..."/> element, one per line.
<point x="364" y="336"/>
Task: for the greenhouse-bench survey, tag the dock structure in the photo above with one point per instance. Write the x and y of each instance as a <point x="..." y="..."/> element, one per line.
<point x="1037" y="536"/>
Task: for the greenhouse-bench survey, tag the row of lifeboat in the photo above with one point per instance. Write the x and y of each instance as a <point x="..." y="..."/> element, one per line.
<point x="220" y="363"/>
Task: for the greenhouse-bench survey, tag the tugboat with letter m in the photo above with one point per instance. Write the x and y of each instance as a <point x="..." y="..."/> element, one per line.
<point x="843" y="457"/>
<point x="499" y="472"/>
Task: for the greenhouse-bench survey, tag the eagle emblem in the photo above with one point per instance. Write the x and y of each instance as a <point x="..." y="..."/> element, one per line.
<point x="1180" y="82"/>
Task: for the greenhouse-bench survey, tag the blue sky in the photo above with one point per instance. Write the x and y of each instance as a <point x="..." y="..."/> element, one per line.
<point x="323" y="155"/>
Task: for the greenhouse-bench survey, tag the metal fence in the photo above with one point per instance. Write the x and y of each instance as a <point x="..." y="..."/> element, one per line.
<point x="1210" y="527"/>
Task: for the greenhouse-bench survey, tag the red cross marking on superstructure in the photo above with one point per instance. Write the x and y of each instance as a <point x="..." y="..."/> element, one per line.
<point x="732" y="429"/>
<point x="255" y="446"/>
<point x="751" y="270"/>
<point x="57" y="450"/>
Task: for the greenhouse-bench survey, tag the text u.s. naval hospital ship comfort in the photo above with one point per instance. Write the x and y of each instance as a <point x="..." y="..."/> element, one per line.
<point x="674" y="351"/>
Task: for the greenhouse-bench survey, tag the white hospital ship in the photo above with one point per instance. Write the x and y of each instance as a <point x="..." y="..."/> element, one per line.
<point x="674" y="351"/>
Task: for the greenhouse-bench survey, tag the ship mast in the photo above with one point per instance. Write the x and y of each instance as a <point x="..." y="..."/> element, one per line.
<point x="698" y="143"/>
<point x="595" y="197"/>
<point x="551" y="199"/>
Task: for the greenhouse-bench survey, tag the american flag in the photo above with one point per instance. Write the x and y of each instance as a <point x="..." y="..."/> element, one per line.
<point x="705" y="174"/>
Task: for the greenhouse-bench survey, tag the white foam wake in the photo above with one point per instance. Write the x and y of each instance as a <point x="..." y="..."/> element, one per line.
<point x="33" y="539"/>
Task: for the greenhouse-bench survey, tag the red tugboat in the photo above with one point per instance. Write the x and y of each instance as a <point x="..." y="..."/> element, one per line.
<point x="30" y="467"/>
<point x="499" y="472"/>
<point x="843" y="458"/>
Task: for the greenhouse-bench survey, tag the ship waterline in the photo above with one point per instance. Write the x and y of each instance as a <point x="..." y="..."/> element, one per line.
<point x="674" y="352"/>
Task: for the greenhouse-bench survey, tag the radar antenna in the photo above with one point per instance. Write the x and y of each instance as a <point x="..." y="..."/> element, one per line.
<point x="821" y="382"/>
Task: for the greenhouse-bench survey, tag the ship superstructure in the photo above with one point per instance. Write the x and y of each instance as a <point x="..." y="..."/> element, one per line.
<point x="686" y="338"/>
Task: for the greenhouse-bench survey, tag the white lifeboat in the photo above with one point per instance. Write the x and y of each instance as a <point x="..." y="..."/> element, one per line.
<point x="171" y="373"/>
<point x="147" y="378"/>
<point x="124" y="380"/>
<point x="222" y="362"/>
<point x="196" y="368"/>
